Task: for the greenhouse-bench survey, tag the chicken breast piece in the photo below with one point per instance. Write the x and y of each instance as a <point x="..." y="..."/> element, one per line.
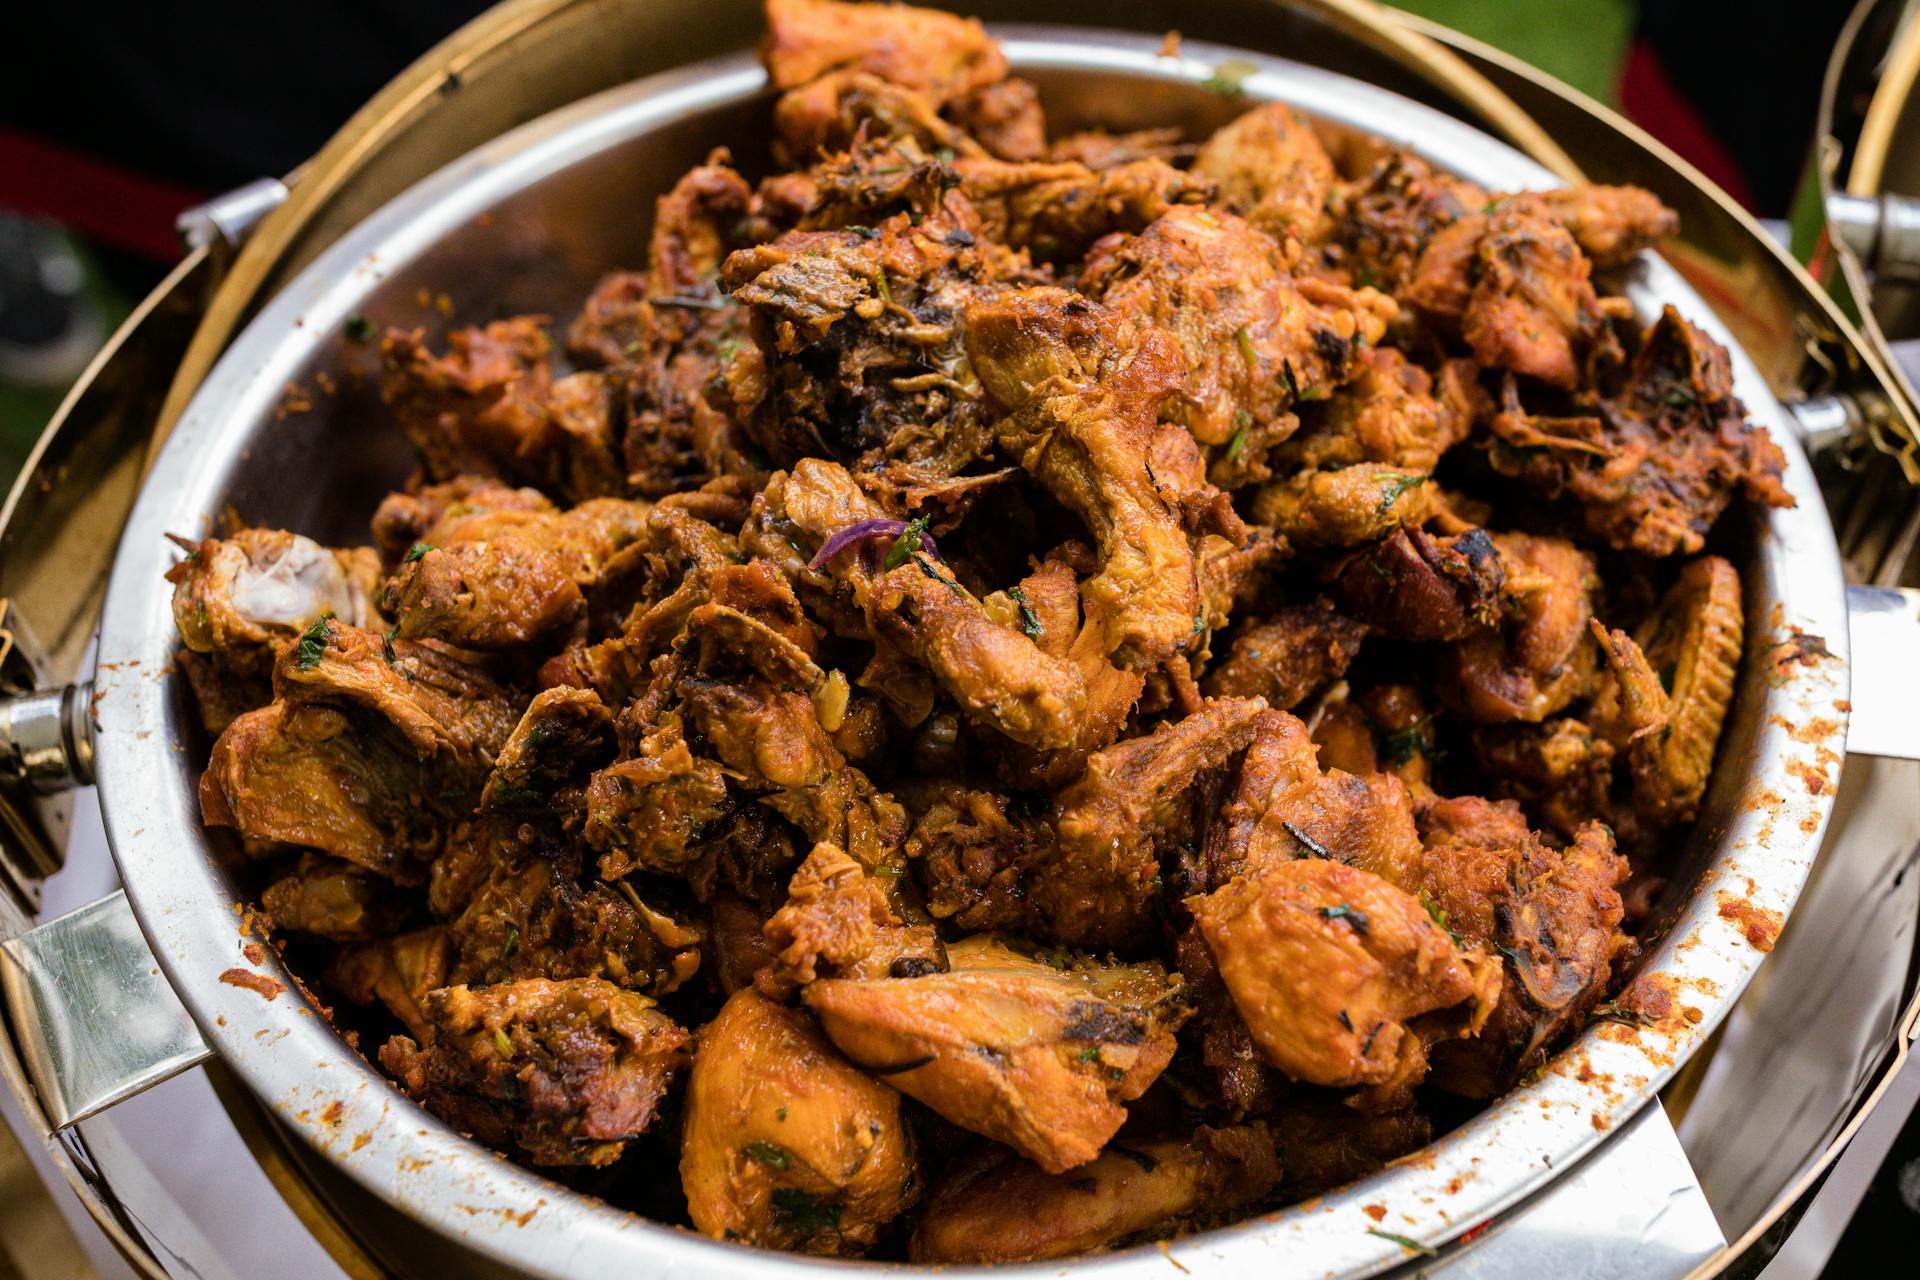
<point x="786" y="1145"/>
<point x="1013" y="1048"/>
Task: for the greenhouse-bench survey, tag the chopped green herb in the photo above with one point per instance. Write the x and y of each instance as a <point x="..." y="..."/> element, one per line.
<point x="538" y="736"/>
<point x="511" y="945"/>
<point x="1314" y="848"/>
<point x="633" y="348"/>
<point x="780" y="1113"/>
<point x="386" y="647"/>
<point x="1439" y="917"/>
<point x="1404" y="744"/>
<point x="886" y="294"/>
<point x="801" y="1211"/>
<point x="1679" y="399"/>
<point x="767" y="1154"/>
<point x="358" y="328"/>
<point x="1244" y="340"/>
<point x="1310" y="394"/>
<point x="500" y="1042"/>
<point x="944" y="155"/>
<point x="1242" y="424"/>
<point x="1405" y="1242"/>
<point x="417" y="550"/>
<point x="1090" y="1054"/>
<point x="1229" y="78"/>
<point x="907" y="543"/>
<point x="1390" y="494"/>
<point x="1288" y="379"/>
<point x="1029" y="620"/>
<point x="1199" y="623"/>
<point x="1357" y="920"/>
<point x="313" y="643"/>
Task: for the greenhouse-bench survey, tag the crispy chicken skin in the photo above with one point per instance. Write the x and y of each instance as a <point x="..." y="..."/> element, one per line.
<point x="564" y="1072"/>
<point x="1011" y="1047"/>
<point x="786" y="1144"/>
<point x="997" y="693"/>
<point x="996" y="1207"/>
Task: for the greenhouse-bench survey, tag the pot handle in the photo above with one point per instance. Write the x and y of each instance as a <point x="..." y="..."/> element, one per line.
<point x="95" y="1020"/>
<point x="1884" y="628"/>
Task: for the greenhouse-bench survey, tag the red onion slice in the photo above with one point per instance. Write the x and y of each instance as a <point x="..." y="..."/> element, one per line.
<point x="863" y="531"/>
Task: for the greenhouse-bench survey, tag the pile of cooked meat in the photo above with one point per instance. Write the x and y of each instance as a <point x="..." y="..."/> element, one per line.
<point x="1005" y="694"/>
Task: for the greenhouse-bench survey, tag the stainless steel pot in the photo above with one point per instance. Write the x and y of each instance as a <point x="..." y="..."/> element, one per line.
<point x="527" y="222"/>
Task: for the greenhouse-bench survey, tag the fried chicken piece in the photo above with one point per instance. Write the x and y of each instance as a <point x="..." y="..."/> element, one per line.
<point x="1388" y="414"/>
<point x="1611" y="224"/>
<point x="837" y="922"/>
<point x="860" y="325"/>
<point x="563" y="735"/>
<point x="1656" y="465"/>
<point x="1006" y="117"/>
<point x="996" y="1207"/>
<point x="398" y="971"/>
<point x="844" y="108"/>
<point x="1554" y="915"/>
<point x="647" y="810"/>
<point x="936" y="53"/>
<point x="1542" y="658"/>
<point x="786" y="1145"/>
<point x="1384" y="221"/>
<point x="563" y="1073"/>
<point x="1675" y="685"/>
<point x="1272" y="170"/>
<point x="1103" y="149"/>
<point x="1344" y="507"/>
<point x="237" y="600"/>
<point x="1559" y="769"/>
<point x="1256" y="340"/>
<point x="535" y="916"/>
<point x="1287" y="656"/>
<point x="405" y="518"/>
<point x="1418" y="586"/>
<point x="1079" y="405"/>
<point x="470" y="411"/>
<point x="1330" y="965"/>
<point x="1057" y="209"/>
<point x="1095" y="885"/>
<point x="1515" y="284"/>
<point x="1037" y="1057"/>
<point x="331" y="899"/>
<point x="1326" y="1144"/>
<point x="365" y="759"/>
<point x="505" y="579"/>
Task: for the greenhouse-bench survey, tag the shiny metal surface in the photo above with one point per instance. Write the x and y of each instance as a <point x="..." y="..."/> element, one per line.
<point x="225" y="220"/>
<point x="1883" y="230"/>
<point x="559" y="194"/>
<point x="45" y="743"/>
<point x="98" y="1022"/>
<point x="1885" y="623"/>
<point x="1631" y="1211"/>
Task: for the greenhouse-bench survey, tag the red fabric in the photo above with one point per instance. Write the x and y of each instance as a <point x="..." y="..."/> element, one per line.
<point x="1649" y="99"/>
<point x="116" y="207"/>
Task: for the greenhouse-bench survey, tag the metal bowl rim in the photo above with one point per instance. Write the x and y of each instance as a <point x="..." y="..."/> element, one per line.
<point x="350" y="1112"/>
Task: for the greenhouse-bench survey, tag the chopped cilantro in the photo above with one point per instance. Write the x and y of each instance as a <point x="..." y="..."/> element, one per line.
<point x="511" y="945"/>
<point x="1244" y="340"/>
<point x="386" y="647"/>
<point x="1680" y="399"/>
<point x="767" y="1154"/>
<point x="1029" y="620"/>
<point x="1439" y="917"/>
<point x="1357" y="920"/>
<point x="907" y="543"/>
<point x="1403" y="745"/>
<point x="1229" y="78"/>
<point x="801" y="1211"/>
<point x="1405" y="1242"/>
<point x="358" y="328"/>
<point x="500" y="1042"/>
<point x="314" y="643"/>
<point x="415" y="551"/>
<point x="1242" y="424"/>
<point x="1390" y="493"/>
<point x="1090" y="1054"/>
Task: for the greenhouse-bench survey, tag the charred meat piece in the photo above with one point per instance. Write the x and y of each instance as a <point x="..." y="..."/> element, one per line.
<point x="1287" y="656"/>
<point x="837" y="922"/>
<point x="1014" y="1048"/>
<point x="1542" y="657"/>
<point x="996" y="1207"/>
<point x="1655" y="466"/>
<point x="1553" y="915"/>
<point x="564" y="1073"/>
<point x="1344" y="507"/>
<point x="1384" y="221"/>
<point x="786" y="1144"/>
<point x="1419" y="586"/>
<point x="1057" y="209"/>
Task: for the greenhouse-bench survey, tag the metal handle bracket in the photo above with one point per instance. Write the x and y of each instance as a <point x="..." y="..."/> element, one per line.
<point x="1885" y="627"/>
<point x="98" y="1022"/>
